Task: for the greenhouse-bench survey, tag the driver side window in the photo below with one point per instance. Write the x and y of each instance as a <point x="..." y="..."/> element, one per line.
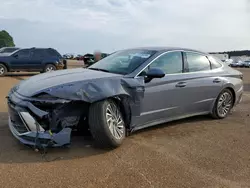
<point x="170" y="63"/>
<point x="23" y="53"/>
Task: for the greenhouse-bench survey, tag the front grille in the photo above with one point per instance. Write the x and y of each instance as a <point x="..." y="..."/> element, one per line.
<point x="16" y="120"/>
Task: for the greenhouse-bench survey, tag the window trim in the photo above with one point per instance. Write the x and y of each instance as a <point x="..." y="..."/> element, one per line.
<point x="185" y="63"/>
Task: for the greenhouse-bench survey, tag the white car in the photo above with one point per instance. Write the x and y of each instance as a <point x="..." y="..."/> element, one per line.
<point x="7" y="50"/>
<point x="247" y="64"/>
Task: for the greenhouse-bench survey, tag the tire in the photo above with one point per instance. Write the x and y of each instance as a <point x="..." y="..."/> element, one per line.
<point x="3" y="70"/>
<point x="104" y="132"/>
<point x="225" y="102"/>
<point x="49" y="68"/>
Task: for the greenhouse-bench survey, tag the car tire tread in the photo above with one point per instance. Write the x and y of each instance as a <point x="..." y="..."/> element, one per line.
<point x="47" y="65"/>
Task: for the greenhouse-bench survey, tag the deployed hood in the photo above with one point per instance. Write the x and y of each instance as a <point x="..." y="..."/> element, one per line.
<point x="41" y="82"/>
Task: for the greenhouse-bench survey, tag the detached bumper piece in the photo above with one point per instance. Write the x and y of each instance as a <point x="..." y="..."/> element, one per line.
<point x="28" y="131"/>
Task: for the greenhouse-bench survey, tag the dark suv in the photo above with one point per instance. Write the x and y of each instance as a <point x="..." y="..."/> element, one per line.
<point x="32" y="60"/>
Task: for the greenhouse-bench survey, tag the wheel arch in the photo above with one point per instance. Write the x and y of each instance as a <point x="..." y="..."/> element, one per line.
<point x="231" y="88"/>
<point x="49" y="63"/>
<point x="123" y="101"/>
<point x="233" y="92"/>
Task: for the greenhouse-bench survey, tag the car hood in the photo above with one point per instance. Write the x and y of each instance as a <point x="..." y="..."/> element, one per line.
<point x="41" y="82"/>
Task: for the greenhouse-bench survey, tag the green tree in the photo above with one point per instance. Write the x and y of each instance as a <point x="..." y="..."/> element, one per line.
<point x="6" y="39"/>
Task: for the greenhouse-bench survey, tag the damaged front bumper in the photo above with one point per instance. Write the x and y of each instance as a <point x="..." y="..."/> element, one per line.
<point x="25" y="127"/>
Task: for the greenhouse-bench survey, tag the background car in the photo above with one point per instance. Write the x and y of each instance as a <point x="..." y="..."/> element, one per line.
<point x="247" y="64"/>
<point x="237" y="63"/>
<point x="7" y="50"/>
<point x="68" y="56"/>
<point x="113" y="98"/>
<point x="32" y="60"/>
<point x="79" y="57"/>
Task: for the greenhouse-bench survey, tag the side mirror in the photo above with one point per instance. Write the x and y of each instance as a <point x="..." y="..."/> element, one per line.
<point x="155" y="73"/>
<point x="15" y="55"/>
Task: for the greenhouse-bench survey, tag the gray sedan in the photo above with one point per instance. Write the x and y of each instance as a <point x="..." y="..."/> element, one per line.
<point x="124" y="92"/>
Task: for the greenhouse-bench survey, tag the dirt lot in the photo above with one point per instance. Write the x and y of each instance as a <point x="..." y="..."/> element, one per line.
<point x="196" y="152"/>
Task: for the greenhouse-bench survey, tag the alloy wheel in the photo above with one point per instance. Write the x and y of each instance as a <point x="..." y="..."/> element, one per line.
<point x="224" y="104"/>
<point x="49" y="69"/>
<point x="115" y="121"/>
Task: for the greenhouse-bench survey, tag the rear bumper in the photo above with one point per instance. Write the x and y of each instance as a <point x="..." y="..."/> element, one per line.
<point x="60" y="66"/>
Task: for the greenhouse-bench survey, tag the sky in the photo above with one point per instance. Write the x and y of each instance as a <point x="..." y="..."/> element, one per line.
<point x="83" y="26"/>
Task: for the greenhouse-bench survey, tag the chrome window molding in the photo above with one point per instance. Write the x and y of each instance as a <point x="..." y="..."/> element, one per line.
<point x="204" y="54"/>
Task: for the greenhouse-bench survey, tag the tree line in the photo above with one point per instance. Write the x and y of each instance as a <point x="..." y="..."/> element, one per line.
<point x="6" y="39"/>
<point x="234" y="53"/>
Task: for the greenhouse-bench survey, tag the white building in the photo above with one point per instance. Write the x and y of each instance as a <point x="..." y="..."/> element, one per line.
<point x="242" y="58"/>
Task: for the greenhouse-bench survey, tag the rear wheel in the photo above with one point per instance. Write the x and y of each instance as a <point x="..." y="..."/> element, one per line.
<point x="3" y="70"/>
<point x="106" y="124"/>
<point x="49" y="68"/>
<point x="223" y="104"/>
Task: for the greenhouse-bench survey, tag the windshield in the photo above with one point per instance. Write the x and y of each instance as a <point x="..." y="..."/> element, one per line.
<point x="123" y="62"/>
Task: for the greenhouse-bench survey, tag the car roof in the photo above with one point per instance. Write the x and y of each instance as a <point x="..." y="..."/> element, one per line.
<point x="166" y="49"/>
<point x="40" y="48"/>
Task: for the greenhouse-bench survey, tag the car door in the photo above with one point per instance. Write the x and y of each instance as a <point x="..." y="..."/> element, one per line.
<point x="20" y="60"/>
<point x="202" y="83"/>
<point x="163" y="98"/>
<point x="37" y="57"/>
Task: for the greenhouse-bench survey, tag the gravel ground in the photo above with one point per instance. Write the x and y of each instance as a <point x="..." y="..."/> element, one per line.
<point x="195" y="152"/>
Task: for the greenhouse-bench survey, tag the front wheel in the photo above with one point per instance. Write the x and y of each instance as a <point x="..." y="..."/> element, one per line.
<point x="223" y="104"/>
<point x="3" y="70"/>
<point x="106" y="124"/>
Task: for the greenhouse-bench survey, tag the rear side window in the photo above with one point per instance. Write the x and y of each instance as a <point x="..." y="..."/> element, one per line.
<point x="53" y="53"/>
<point x="214" y="62"/>
<point x="197" y="62"/>
<point x="39" y="53"/>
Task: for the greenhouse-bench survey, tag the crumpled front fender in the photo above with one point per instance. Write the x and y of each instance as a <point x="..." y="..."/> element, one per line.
<point x="99" y="89"/>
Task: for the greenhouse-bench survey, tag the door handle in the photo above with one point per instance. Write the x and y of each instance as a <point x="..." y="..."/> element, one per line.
<point x="216" y="80"/>
<point x="181" y="84"/>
